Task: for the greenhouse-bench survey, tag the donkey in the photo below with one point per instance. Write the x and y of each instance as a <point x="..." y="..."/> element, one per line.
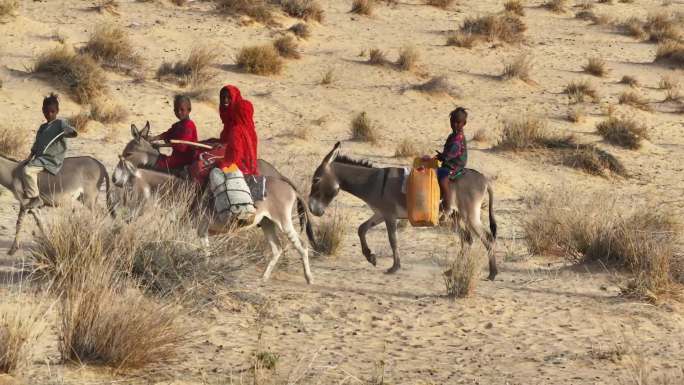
<point x="381" y="190"/>
<point x="80" y="178"/>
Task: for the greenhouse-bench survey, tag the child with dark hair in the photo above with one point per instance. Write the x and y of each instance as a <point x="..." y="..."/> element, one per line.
<point x="455" y="154"/>
<point x="47" y="152"/>
<point x="184" y="129"/>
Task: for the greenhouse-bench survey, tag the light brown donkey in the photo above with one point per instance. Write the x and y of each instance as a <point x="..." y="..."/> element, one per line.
<point x="80" y="178"/>
<point x="381" y="189"/>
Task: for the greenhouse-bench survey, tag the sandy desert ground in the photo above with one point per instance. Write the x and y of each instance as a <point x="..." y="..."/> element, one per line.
<point x="542" y="321"/>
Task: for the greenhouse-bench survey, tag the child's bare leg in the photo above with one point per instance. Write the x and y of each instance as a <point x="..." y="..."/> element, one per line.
<point x="444" y="190"/>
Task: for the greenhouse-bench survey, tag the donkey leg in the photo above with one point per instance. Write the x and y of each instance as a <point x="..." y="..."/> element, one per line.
<point x="392" y="235"/>
<point x="203" y="234"/>
<point x="363" y="229"/>
<point x="39" y="221"/>
<point x="268" y="228"/>
<point x="20" y="220"/>
<point x="291" y="234"/>
<point x="487" y="240"/>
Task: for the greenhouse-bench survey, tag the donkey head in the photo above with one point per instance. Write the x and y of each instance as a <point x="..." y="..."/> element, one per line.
<point x="124" y="172"/>
<point x="139" y="151"/>
<point x="324" y="185"/>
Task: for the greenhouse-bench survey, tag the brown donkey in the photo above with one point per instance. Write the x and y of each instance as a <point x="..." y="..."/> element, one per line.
<point x="381" y="190"/>
<point x="80" y="178"/>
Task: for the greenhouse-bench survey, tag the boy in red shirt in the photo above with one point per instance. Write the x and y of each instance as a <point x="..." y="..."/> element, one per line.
<point x="184" y="129"/>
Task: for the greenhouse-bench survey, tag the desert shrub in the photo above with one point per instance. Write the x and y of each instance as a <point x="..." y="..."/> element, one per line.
<point x="593" y="160"/>
<point x="622" y="132"/>
<point x="105" y="111"/>
<point x="363" y="7"/>
<point x="20" y="322"/>
<point x="111" y="46"/>
<point x="558" y="6"/>
<point x="377" y="57"/>
<point x="330" y="234"/>
<point x="444" y="4"/>
<point x="673" y="95"/>
<point x="328" y="77"/>
<point x="671" y="51"/>
<point x="633" y="27"/>
<point x="633" y="99"/>
<point x="301" y="30"/>
<point x="481" y="135"/>
<point x="668" y="83"/>
<point x="461" y="39"/>
<point x="287" y="47"/>
<point x="406" y="148"/>
<point x="260" y="60"/>
<point x="584" y="227"/>
<point x="408" y="58"/>
<point x="577" y="91"/>
<point x="258" y="10"/>
<point x="8" y="7"/>
<point x="460" y="278"/>
<point x="437" y="85"/>
<point x="519" y="68"/>
<point x="576" y="114"/>
<point x="630" y="81"/>
<point x="515" y="7"/>
<point x="303" y="9"/>
<point x="79" y="73"/>
<point x="595" y="66"/>
<point x="586" y="15"/>
<point x="529" y="132"/>
<point x="662" y="27"/>
<point x="364" y="129"/>
<point x="194" y="71"/>
<point x="80" y="121"/>
<point x="12" y="143"/>
<point x="507" y="28"/>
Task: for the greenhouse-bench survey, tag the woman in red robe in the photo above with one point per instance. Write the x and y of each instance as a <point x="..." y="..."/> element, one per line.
<point x="238" y="135"/>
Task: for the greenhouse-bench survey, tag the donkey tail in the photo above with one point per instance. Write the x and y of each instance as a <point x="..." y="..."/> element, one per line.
<point x="492" y="220"/>
<point x="305" y="220"/>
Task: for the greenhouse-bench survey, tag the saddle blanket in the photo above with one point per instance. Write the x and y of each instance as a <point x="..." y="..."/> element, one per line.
<point x="257" y="186"/>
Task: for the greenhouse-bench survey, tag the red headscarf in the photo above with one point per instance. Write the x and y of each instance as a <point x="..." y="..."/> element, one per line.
<point x="239" y="135"/>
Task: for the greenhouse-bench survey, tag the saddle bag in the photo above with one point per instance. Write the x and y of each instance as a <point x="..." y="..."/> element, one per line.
<point x="206" y="161"/>
<point x="422" y="197"/>
<point x="231" y="193"/>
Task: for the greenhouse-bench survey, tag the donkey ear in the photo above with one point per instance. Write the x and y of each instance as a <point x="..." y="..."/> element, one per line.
<point x="145" y="133"/>
<point x="332" y="155"/>
<point x="135" y="132"/>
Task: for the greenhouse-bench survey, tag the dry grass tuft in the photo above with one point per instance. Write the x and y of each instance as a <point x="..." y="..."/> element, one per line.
<point x="301" y="30"/>
<point x="364" y="129"/>
<point x="363" y="7"/>
<point x="408" y="59"/>
<point x="622" y="132"/>
<point x="481" y="135"/>
<point x="444" y="4"/>
<point x="668" y="83"/>
<point x="587" y="15"/>
<point x="8" y="7"/>
<point x="528" y="133"/>
<point x="557" y="6"/>
<point x="406" y="149"/>
<point x="633" y="99"/>
<point x="20" y="323"/>
<point x="461" y="39"/>
<point x="671" y="52"/>
<point x="260" y="60"/>
<point x="110" y="6"/>
<point x="79" y="73"/>
<point x="437" y="85"/>
<point x="111" y="46"/>
<point x="519" y="68"/>
<point x="80" y="121"/>
<point x="330" y="234"/>
<point x="507" y="28"/>
<point x="593" y="161"/>
<point x="328" y="78"/>
<point x="630" y="81"/>
<point x="194" y="71"/>
<point x="377" y="57"/>
<point x="258" y="10"/>
<point x="303" y="9"/>
<point x="582" y="228"/>
<point x="461" y="275"/>
<point x="576" y="114"/>
<point x="577" y="91"/>
<point x="12" y="144"/>
<point x="596" y="66"/>
<point x="105" y="111"/>
<point x="663" y="27"/>
<point x="634" y="27"/>
<point x="287" y="47"/>
<point x="515" y="7"/>
<point x="673" y="95"/>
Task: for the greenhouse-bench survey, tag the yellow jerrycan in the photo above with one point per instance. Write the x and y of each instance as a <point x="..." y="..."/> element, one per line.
<point x="422" y="197"/>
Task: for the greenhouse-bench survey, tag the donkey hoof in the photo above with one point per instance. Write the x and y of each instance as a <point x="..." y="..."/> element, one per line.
<point x="393" y="269"/>
<point x="372" y="259"/>
<point x="491" y="276"/>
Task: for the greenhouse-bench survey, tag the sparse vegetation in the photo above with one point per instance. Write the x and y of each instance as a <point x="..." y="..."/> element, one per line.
<point x="287" y="47"/>
<point x="622" y="132"/>
<point x="515" y="7"/>
<point x="408" y="58"/>
<point x="406" y="149"/>
<point x="79" y="73"/>
<point x="460" y="278"/>
<point x="529" y="132"/>
<point x="107" y="111"/>
<point x="577" y="91"/>
<point x="576" y="114"/>
<point x="301" y="30"/>
<point x="437" y="85"/>
<point x="8" y="7"/>
<point x="260" y="60"/>
<point x="630" y="81"/>
<point x="507" y="28"/>
<point x="557" y="6"/>
<point x="519" y="68"/>
<point x="258" y="10"/>
<point x="673" y="95"/>
<point x="593" y="160"/>
<point x="633" y="27"/>
<point x="303" y="9"/>
<point x="662" y="27"/>
<point x="461" y="39"/>
<point x="19" y="327"/>
<point x="586" y="228"/>
<point x="330" y="234"/>
<point x="444" y="4"/>
<point x="587" y="15"/>
<point x="364" y="129"/>
<point x="633" y="99"/>
<point x="377" y="57"/>
<point x="12" y="144"/>
<point x="363" y="7"/>
<point x="111" y="46"/>
<point x="109" y="6"/>
<point x="668" y="83"/>
<point x="672" y="52"/>
<point x="481" y="135"/>
<point x="596" y="66"/>
<point x="194" y="71"/>
<point x="80" y="121"/>
<point x="328" y="78"/>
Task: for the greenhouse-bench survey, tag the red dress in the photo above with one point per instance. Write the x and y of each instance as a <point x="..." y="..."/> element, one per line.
<point x="238" y="135"/>
<point x="182" y="154"/>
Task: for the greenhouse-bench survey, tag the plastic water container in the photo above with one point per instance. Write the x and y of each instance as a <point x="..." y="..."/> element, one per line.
<point x="231" y="193"/>
<point x="422" y="195"/>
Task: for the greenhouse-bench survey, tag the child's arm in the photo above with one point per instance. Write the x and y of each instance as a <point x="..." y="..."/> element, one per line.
<point x="69" y="130"/>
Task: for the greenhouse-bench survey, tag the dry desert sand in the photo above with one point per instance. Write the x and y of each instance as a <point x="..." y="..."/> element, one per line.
<point x="542" y="321"/>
